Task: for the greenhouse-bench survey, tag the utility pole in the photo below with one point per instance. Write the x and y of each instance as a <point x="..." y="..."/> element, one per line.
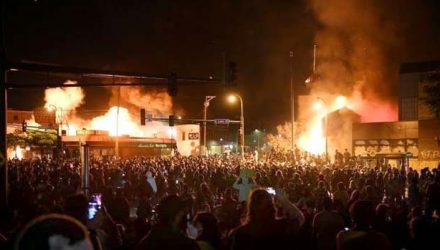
<point x="117" y="124"/>
<point x="3" y="113"/>
<point x="205" y="111"/>
<point x="292" y="102"/>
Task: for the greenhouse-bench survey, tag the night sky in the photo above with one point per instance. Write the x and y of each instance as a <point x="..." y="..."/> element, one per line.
<point x="189" y="37"/>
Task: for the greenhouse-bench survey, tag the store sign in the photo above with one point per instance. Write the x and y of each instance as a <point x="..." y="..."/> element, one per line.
<point x="152" y="145"/>
<point x="193" y="136"/>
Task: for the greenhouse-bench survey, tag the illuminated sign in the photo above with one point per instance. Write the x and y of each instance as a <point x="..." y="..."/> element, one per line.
<point x="152" y="145"/>
<point x="193" y="136"/>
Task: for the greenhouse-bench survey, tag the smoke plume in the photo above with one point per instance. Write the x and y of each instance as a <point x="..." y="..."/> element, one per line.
<point x="354" y="42"/>
<point x="68" y="98"/>
<point x="157" y="103"/>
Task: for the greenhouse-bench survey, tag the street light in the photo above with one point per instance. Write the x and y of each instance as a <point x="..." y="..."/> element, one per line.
<point x="319" y="104"/>
<point x="258" y="135"/>
<point x="205" y="111"/>
<point x="341" y="102"/>
<point x="232" y="99"/>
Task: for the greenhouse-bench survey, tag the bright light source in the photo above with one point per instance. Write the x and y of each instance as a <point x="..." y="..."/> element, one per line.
<point x="221" y="139"/>
<point x="317" y="105"/>
<point x="28" y="148"/>
<point x="172" y="132"/>
<point x="179" y="118"/>
<point x="308" y="80"/>
<point x="341" y="101"/>
<point x="232" y="98"/>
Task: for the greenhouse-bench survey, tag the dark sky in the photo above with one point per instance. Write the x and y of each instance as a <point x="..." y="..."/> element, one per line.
<point x="189" y="37"/>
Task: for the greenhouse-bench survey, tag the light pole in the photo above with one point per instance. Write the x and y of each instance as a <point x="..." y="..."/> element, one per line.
<point x="205" y="111"/>
<point x="258" y="134"/>
<point x="58" y="115"/>
<point x="232" y="98"/>
<point x="318" y="105"/>
<point x="292" y="101"/>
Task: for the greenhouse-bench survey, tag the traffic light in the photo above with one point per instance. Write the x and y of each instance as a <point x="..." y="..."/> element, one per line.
<point x="171" y="120"/>
<point x="143" y="117"/>
<point x="231" y="73"/>
<point x="172" y="85"/>
<point x="24" y="126"/>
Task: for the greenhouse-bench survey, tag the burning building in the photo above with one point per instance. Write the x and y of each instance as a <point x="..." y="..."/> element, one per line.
<point x="184" y="138"/>
<point x="116" y="131"/>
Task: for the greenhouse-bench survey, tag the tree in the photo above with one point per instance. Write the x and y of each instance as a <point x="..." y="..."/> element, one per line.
<point x="32" y="137"/>
<point x="432" y="98"/>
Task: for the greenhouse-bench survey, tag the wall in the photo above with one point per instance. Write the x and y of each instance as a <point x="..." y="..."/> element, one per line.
<point x="429" y="143"/>
<point x="188" y="139"/>
<point x="18" y="116"/>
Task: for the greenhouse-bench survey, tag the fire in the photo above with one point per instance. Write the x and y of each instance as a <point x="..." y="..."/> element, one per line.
<point x="122" y="125"/>
<point x="68" y="98"/>
<point x="32" y="122"/>
<point x="65" y="102"/>
<point x="16" y="153"/>
<point x="340" y="102"/>
<point x="127" y="124"/>
<point x="313" y="140"/>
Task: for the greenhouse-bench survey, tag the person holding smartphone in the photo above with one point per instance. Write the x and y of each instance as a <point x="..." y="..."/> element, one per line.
<point x="263" y="229"/>
<point x="77" y="206"/>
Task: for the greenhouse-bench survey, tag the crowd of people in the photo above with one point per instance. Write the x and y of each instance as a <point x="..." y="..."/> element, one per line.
<point x="281" y="201"/>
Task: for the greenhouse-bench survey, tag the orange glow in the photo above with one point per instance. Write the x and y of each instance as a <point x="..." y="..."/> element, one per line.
<point x="65" y="101"/>
<point x="232" y="98"/>
<point x="15" y="153"/>
<point x="340" y="102"/>
<point x="312" y="140"/>
<point x="125" y="125"/>
<point x="317" y="105"/>
<point x="129" y="125"/>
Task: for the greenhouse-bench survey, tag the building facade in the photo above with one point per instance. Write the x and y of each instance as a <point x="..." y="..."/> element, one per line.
<point x="417" y="133"/>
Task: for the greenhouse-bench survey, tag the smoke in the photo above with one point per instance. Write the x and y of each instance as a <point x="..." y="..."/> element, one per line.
<point x="354" y="69"/>
<point x="67" y="98"/>
<point x="156" y="102"/>
<point x="125" y="122"/>
<point x="355" y="40"/>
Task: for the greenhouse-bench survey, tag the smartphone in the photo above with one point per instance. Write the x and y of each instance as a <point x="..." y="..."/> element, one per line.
<point x="271" y="190"/>
<point x="94" y="206"/>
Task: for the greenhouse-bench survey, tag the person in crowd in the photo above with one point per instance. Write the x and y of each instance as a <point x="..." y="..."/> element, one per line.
<point x="362" y="236"/>
<point x="151" y="181"/>
<point x="262" y="230"/>
<point x="326" y="225"/>
<point x="207" y="232"/>
<point x="167" y="234"/>
<point x="53" y="231"/>
<point x="244" y="185"/>
<point x="206" y="183"/>
<point x="77" y="207"/>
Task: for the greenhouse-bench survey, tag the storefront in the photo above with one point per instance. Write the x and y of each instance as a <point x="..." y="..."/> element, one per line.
<point x="416" y="140"/>
<point x="104" y="146"/>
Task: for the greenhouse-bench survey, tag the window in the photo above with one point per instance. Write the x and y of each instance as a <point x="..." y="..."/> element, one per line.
<point x="408" y="109"/>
